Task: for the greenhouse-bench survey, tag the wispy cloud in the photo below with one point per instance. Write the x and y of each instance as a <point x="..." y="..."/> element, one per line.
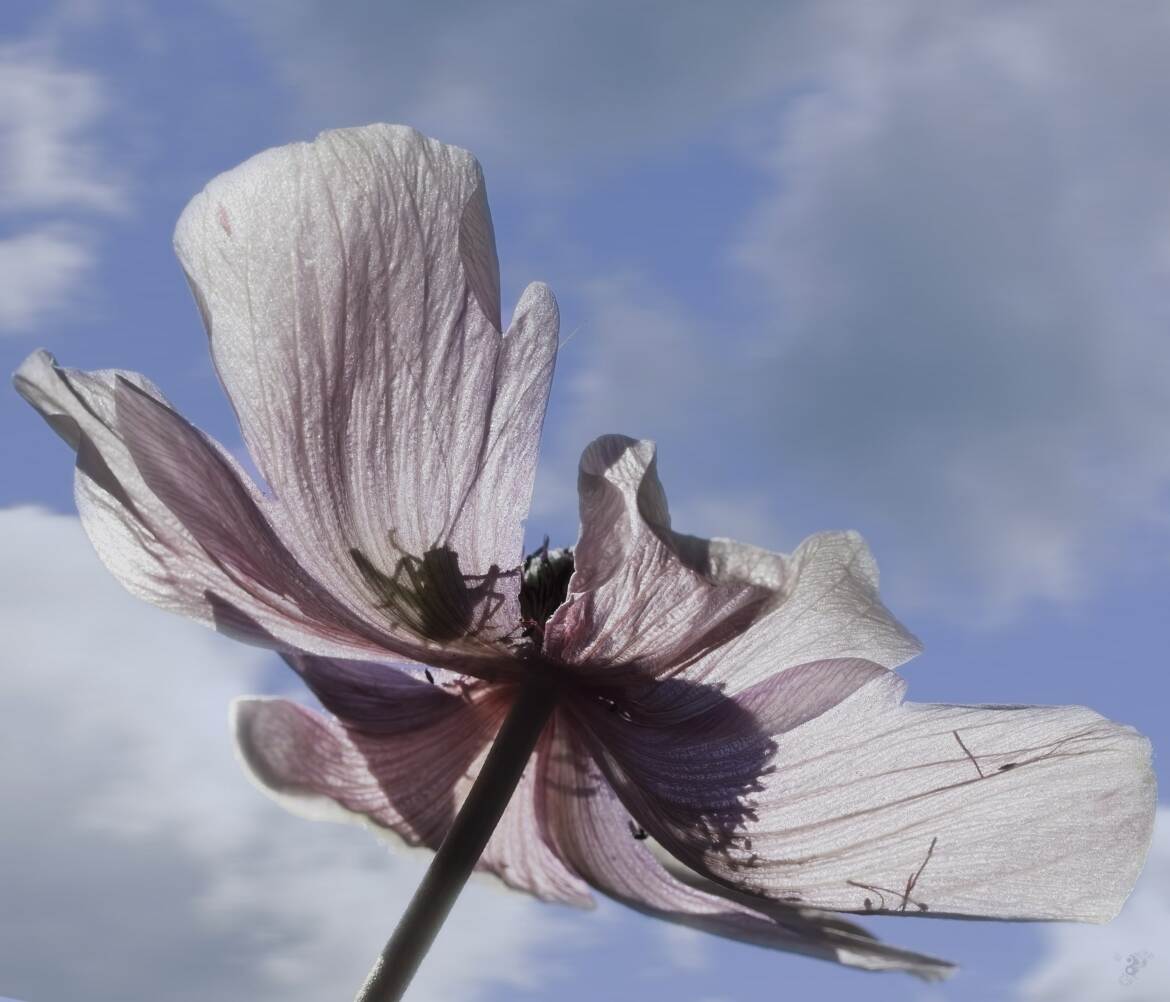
<point x="39" y="270"/>
<point x="50" y="155"/>
<point x="53" y="174"/>
<point x="966" y="239"/>
<point x="541" y="87"/>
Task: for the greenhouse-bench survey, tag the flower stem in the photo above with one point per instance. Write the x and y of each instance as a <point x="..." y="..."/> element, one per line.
<point x="461" y="849"/>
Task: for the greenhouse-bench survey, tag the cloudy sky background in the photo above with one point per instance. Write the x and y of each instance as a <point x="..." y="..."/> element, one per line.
<point x="899" y="267"/>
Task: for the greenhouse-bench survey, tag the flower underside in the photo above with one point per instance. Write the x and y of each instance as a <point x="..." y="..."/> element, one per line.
<point x="735" y="708"/>
<point x="437" y="601"/>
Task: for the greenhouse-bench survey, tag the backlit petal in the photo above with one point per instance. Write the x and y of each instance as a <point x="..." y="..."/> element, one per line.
<point x="648" y="602"/>
<point x="878" y="805"/>
<point x="204" y="490"/>
<point x="351" y="292"/>
<point x="639" y="606"/>
<point x="599" y="839"/>
<point x="404" y="773"/>
<point x="826" y="608"/>
<point x="853" y="945"/>
<point x="151" y="549"/>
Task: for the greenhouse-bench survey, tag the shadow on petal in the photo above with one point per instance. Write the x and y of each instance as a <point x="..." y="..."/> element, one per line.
<point x="432" y="597"/>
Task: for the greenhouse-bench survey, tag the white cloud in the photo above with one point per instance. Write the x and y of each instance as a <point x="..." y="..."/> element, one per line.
<point x="51" y="164"/>
<point x="50" y="156"/>
<point x="39" y="269"/>
<point x="685" y="949"/>
<point x="1124" y="961"/>
<point x="140" y="863"/>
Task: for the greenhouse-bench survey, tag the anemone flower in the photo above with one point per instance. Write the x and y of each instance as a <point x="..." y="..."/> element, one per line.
<point x="703" y="730"/>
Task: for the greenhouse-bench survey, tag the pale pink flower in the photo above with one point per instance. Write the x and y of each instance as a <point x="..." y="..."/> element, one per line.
<point x="736" y="706"/>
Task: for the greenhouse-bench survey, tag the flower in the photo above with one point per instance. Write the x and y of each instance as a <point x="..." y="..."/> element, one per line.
<point x="730" y="747"/>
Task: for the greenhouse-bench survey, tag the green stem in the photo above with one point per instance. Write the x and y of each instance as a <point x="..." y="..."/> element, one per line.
<point x="461" y="849"/>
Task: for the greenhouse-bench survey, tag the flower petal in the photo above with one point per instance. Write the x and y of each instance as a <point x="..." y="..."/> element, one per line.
<point x="639" y="607"/>
<point x="878" y="805"/>
<point x="351" y="293"/>
<point x="402" y="781"/>
<point x="645" y="601"/>
<point x="404" y="773"/>
<point x="826" y="608"/>
<point x="694" y="781"/>
<point x="597" y="836"/>
<point x="149" y="547"/>
<point x="202" y="488"/>
<point x="374" y="697"/>
<point x="854" y="945"/>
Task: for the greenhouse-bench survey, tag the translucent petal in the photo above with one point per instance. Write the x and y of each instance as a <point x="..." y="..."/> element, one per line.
<point x="647" y="603"/>
<point x="874" y="804"/>
<point x="406" y="773"/>
<point x="601" y="841"/>
<point x="351" y="293"/>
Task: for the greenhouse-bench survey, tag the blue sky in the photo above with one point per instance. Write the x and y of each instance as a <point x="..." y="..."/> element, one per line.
<point x="900" y="268"/>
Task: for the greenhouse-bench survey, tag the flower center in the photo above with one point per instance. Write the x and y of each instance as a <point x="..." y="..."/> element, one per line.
<point x="544" y="585"/>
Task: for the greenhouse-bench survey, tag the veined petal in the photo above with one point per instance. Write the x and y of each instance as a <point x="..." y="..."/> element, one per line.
<point x="205" y="491"/>
<point x="826" y="608"/>
<point x="351" y="293"/>
<point x="646" y="601"/>
<point x="151" y="548"/>
<point x="406" y="785"/>
<point x="640" y="606"/>
<point x="405" y="774"/>
<point x="597" y="836"/>
<point x="695" y="782"/>
<point x="873" y="804"/>
<point x="373" y="697"/>
<point x="854" y="945"/>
